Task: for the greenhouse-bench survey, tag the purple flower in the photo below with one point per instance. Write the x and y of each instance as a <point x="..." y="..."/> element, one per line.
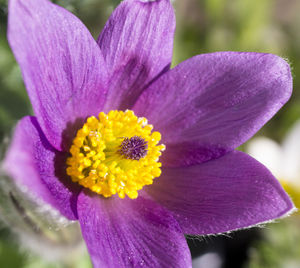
<point x="204" y="109"/>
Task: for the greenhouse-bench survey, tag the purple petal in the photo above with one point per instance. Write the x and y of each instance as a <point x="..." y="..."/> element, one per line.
<point x="38" y="168"/>
<point x="228" y="193"/>
<point x="130" y="233"/>
<point x="62" y="65"/>
<point x="137" y="43"/>
<point x="212" y="103"/>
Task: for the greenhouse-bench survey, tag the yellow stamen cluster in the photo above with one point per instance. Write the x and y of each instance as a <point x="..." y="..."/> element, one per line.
<point x="96" y="161"/>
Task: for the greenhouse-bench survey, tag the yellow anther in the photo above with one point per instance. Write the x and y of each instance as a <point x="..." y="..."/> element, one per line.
<point x="116" y="153"/>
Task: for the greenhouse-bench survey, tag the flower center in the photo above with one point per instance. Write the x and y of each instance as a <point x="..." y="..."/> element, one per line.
<point x="134" y="148"/>
<point x="116" y="153"/>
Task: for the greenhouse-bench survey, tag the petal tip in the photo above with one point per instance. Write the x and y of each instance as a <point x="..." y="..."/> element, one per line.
<point x="281" y="70"/>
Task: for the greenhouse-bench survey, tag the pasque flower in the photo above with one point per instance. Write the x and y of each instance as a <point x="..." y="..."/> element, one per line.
<point x="90" y="152"/>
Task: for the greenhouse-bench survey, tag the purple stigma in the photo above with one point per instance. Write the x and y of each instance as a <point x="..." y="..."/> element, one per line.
<point x="134" y="148"/>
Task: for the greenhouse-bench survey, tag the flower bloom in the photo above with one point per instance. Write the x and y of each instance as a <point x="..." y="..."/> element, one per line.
<point x="283" y="160"/>
<point x="90" y="152"/>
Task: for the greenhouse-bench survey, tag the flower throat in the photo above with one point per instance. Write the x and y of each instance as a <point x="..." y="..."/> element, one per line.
<point x="116" y="153"/>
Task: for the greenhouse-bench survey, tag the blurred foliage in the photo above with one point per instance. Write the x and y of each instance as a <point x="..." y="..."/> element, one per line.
<point x="12" y="256"/>
<point x="280" y="246"/>
<point x="9" y="256"/>
<point x="203" y="26"/>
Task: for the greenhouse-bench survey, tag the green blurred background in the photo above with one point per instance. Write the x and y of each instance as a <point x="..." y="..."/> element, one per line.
<point x="202" y="26"/>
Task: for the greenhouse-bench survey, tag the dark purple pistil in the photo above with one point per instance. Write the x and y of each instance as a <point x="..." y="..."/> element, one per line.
<point x="134" y="148"/>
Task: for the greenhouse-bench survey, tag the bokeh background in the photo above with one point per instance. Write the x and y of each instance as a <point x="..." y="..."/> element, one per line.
<point x="203" y="26"/>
